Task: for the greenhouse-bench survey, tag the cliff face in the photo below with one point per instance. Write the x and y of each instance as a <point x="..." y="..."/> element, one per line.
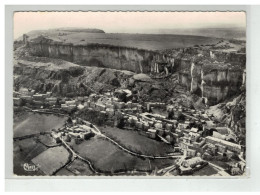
<point x="119" y="58"/>
<point x="212" y="84"/>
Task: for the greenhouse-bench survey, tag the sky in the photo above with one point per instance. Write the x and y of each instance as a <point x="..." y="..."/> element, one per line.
<point x="126" y="22"/>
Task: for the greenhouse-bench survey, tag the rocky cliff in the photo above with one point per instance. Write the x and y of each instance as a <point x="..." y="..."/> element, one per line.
<point x="120" y="58"/>
<point x="214" y="82"/>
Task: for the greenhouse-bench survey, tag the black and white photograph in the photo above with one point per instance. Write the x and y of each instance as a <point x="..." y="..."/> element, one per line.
<point x="134" y="93"/>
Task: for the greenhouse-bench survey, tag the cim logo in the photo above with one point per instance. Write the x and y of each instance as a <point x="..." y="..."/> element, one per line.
<point x="28" y="167"/>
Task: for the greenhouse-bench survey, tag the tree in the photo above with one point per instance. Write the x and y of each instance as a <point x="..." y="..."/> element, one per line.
<point x="119" y="122"/>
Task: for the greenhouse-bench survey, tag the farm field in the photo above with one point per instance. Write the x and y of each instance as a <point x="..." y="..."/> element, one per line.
<point x="23" y="152"/>
<point x="141" y="41"/>
<point x="108" y="158"/>
<point x="52" y="159"/>
<point x="79" y="167"/>
<point x="136" y="142"/>
<point x="36" y="123"/>
<point x="47" y="140"/>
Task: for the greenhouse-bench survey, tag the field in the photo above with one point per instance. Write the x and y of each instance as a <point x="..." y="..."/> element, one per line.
<point x="108" y="158"/>
<point x="24" y="151"/>
<point x="36" y="123"/>
<point x="136" y="142"/>
<point x="79" y="167"/>
<point x="52" y="159"/>
<point x="205" y="171"/>
<point x="141" y="41"/>
<point x="47" y="140"/>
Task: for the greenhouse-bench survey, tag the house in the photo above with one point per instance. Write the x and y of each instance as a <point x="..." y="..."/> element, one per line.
<point x="64" y="106"/>
<point x="80" y="106"/>
<point x="52" y="103"/>
<point x="73" y="102"/>
<point x="139" y="125"/>
<point x="67" y="138"/>
<point x="110" y="111"/>
<point x="51" y="99"/>
<point x="16" y="94"/>
<point x="191" y="153"/>
<point x="158" y="125"/>
<point x="218" y="135"/>
<point x="100" y="107"/>
<point x="194" y="136"/>
<point x="194" y="130"/>
<point x="86" y="135"/>
<point x="26" y="98"/>
<point x="151" y="133"/>
<point x="39" y="97"/>
<point x="17" y="101"/>
<point x="86" y="128"/>
<point x="182" y="126"/>
<point x="229" y="145"/>
<point x="169" y="127"/>
<point x="48" y="94"/>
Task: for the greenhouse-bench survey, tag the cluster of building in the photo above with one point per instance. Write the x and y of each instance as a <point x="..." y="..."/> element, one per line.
<point x="189" y="139"/>
<point x="189" y="166"/>
<point x="194" y="134"/>
<point x="73" y="132"/>
<point x="29" y="97"/>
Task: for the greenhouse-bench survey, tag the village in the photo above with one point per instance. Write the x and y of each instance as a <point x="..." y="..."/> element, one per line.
<point x="192" y="133"/>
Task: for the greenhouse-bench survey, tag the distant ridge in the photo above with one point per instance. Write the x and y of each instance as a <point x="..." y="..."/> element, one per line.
<point x="87" y="30"/>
